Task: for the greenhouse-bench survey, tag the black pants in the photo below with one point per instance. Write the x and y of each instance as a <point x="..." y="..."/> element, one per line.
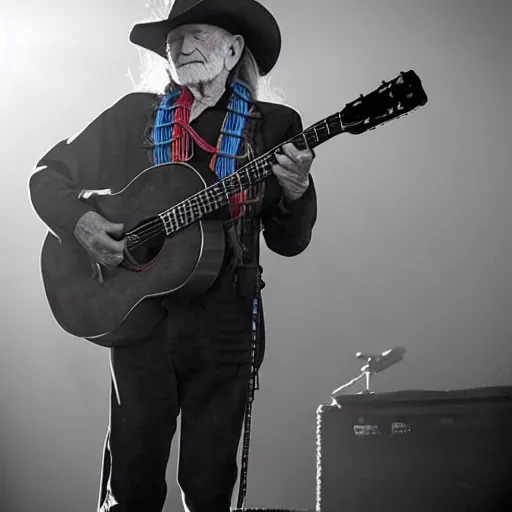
<point x="196" y="363"/>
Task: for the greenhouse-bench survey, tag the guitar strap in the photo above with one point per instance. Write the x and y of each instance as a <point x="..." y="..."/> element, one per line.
<point x="244" y="235"/>
<point x="250" y="272"/>
<point x="249" y="277"/>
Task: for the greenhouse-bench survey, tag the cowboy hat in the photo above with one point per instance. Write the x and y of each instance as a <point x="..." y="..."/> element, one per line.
<point x="247" y="18"/>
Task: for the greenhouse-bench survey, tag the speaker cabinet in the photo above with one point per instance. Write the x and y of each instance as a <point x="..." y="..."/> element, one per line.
<point x="416" y="451"/>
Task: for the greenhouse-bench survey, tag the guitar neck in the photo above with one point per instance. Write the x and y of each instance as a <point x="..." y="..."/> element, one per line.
<point x="392" y="99"/>
<point x="219" y="194"/>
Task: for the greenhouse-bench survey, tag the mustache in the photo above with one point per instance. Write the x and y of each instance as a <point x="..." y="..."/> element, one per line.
<point x="182" y="64"/>
<point x="196" y="60"/>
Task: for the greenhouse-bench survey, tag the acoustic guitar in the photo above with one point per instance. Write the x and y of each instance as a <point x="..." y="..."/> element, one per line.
<point x="169" y="249"/>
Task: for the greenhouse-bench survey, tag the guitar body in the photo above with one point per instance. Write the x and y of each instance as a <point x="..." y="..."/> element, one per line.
<point x="115" y="311"/>
<point x="175" y="251"/>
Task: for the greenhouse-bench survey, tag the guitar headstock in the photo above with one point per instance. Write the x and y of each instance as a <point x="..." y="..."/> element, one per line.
<point x="389" y="101"/>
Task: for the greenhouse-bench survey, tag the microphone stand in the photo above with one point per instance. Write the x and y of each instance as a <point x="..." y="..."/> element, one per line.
<point x="374" y="364"/>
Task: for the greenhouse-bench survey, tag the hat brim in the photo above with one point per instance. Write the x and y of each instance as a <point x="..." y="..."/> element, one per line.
<point x="247" y="18"/>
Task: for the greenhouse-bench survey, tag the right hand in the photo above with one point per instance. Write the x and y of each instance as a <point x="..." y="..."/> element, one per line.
<point x="92" y="232"/>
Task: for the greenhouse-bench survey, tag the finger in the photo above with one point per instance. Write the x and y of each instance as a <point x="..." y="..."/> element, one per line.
<point x="290" y="170"/>
<point x="293" y="151"/>
<point x="290" y="149"/>
<point x="288" y="178"/>
<point x="301" y="156"/>
<point x="108" y="245"/>
<point x="111" y="260"/>
<point x="286" y="162"/>
<point x="114" y="228"/>
<point x="283" y="172"/>
<point x="293" y="185"/>
<point x="280" y="172"/>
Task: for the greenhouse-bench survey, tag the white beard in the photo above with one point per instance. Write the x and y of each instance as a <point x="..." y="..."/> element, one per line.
<point x="198" y="73"/>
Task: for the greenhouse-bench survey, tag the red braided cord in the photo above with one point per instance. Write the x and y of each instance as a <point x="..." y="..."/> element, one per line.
<point x="182" y="131"/>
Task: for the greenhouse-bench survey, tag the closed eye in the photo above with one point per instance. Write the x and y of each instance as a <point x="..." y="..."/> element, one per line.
<point x="173" y="40"/>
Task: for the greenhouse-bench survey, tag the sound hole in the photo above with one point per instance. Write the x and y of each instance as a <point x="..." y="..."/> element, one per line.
<point x="147" y="248"/>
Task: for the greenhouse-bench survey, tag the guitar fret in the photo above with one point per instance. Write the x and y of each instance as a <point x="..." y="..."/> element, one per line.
<point x="216" y="196"/>
<point x="229" y="188"/>
<point x="256" y="174"/>
<point x="167" y="222"/>
<point x="213" y="198"/>
<point x="225" y="189"/>
<point x="172" y="225"/>
<point x="219" y="195"/>
<point x="189" y="216"/>
<point x="193" y="204"/>
<point x="240" y="181"/>
<point x="203" y="202"/>
<point x="264" y="167"/>
<point x="247" y="177"/>
<point x="206" y="201"/>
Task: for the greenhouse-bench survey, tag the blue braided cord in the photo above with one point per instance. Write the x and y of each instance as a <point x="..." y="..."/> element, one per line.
<point x="162" y="131"/>
<point x="238" y="109"/>
<point x="233" y="129"/>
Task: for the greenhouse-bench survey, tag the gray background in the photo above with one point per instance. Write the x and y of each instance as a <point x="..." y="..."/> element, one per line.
<point x="413" y="244"/>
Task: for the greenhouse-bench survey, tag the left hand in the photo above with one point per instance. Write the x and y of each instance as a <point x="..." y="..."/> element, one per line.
<point x="292" y="170"/>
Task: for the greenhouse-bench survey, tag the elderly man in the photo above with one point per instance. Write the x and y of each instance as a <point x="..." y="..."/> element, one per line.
<point x="200" y="358"/>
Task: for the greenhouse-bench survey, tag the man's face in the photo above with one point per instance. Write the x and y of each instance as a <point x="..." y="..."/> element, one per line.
<point x="197" y="53"/>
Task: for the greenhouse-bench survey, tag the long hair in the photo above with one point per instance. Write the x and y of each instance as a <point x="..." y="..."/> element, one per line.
<point x="155" y="76"/>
